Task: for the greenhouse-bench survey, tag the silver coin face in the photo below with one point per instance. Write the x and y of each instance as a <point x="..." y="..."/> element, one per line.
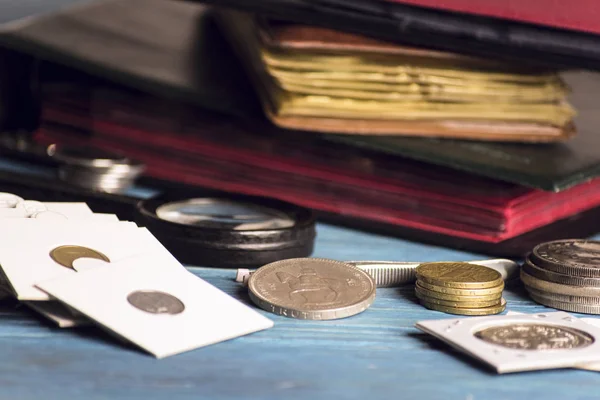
<point x="155" y="302"/>
<point x="538" y="337"/>
<point x="572" y="253"/>
<point x="223" y="214"/>
<point x="312" y="288"/>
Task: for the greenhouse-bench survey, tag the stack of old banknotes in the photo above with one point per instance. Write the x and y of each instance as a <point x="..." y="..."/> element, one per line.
<point x="318" y="79"/>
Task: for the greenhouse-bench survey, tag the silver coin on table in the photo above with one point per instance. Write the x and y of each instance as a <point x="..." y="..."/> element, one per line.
<point x="553" y="287"/>
<point x="565" y="306"/>
<point x="576" y="257"/>
<point x="155" y="302"/>
<point x="312" y="288"/>
<point x="551" y="276"/>
<point x="584" y="300"/>
<point x="528" y="336"/>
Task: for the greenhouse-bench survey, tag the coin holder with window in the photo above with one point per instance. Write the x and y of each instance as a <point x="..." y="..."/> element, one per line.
<point x="513" y="343"/>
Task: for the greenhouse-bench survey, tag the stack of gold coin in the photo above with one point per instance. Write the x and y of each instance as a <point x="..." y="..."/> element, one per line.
<point x="460" y="288"/>
<point x="565" y="274"/>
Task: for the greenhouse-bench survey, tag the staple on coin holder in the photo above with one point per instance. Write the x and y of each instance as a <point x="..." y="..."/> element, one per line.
<point x="505" y="359"/>
<point x="9" y="200"/>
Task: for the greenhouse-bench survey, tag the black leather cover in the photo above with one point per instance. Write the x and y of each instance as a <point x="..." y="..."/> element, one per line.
<point x="168" y="48"/>
<point x="436" y="29"/>
<point x="549" y="167"/>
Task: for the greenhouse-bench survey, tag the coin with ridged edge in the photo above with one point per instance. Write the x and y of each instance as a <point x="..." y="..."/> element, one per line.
<point x="452" y="297"/>
<point x="575" y="257"/>
<point x="463" y="292"/>
<point x="587" y="300"/>
<point x="560" y="305"/>
<point x="545" y="275"/>
<point x="458" y="304"/>
<point x="554" y="287"/>
<point x="535" y="337"/>
<point x="466" y="311"/>
<point x="458" y="275"/>
<point x="312" y="288"/>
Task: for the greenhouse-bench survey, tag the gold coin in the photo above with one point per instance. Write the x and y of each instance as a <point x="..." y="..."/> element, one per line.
<point x="66" y="255"/>
<point x="466" y="311"/>
<point x="458" y="304"/>
<point x="453" y="297"/>
<point x="497" y="290"/>
<point x="459" y="275"/>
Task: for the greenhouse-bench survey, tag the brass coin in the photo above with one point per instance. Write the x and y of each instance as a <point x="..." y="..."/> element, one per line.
<point x="457" y="304"/>
<point x="462" y="292"/>
<point x="66" y="255"/>
<point x="459" y="275"/>
<point x="466" y="311"/>
<point x="452" y="297"/>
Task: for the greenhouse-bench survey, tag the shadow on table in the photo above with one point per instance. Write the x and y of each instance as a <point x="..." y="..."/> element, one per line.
<point x="437" y="345"/>
<point x="91" y="332"/>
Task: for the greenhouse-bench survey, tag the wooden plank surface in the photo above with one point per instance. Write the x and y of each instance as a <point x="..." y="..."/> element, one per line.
<point x="375" y="355"/>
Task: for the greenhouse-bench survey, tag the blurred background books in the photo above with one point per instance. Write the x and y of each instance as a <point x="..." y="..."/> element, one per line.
<point x="464" y="138"/>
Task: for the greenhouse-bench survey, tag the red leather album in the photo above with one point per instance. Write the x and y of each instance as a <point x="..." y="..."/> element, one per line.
<point x="577" y="15"/>
<point x="212" y="151"/>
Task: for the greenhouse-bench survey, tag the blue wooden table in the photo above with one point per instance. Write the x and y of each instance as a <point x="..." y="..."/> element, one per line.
<point x="375" y="355"/>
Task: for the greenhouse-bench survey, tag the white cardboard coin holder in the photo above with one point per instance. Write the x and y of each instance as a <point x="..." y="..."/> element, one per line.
<point x="207" y="314"/>
<point x="460" y="334"/>
<point x="58" y="313"/>
<point x="25" y="246"/>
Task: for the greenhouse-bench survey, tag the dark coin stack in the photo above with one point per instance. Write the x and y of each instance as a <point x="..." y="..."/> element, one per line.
<point x="565" y="274"/>
<point x="95" y="169"/>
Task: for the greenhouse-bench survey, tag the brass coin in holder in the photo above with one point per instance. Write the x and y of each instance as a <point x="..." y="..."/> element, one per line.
<point x="66" y="255"/>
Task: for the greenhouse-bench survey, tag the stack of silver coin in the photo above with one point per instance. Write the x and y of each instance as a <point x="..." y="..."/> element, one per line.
<point x="565" y="274"/>
<point x="95" y="169"/>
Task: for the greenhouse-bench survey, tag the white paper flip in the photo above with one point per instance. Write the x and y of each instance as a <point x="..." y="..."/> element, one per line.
<point x="459" y="333"/>
<point x="25" y="246"/>
<point x="70" y="210"/>
<point x="58" y="313"/>
<point x="207" y="316"/>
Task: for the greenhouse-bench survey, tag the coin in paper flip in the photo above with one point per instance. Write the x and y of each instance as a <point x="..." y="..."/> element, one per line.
<point x="66" y="255"/>
<point x="513" y="343"/>
<point x="312" y="288"/>
<point x="531" y="336"/>
<point x="459" y="275"/>
<point x="481" y="310"/>
<point x="155" y="302"/>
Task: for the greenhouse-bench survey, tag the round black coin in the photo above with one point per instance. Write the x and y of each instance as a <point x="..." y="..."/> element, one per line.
<point x="228" y="231"/>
